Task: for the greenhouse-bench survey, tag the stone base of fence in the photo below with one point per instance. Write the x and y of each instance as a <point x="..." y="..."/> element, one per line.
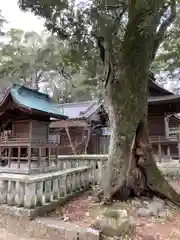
<point x="31" y="214"/>
<point x="43" y="229"/>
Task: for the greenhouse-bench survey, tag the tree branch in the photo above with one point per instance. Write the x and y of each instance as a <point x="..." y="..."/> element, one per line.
<point x="38" y="76"/>
<point x="163" y="27"/>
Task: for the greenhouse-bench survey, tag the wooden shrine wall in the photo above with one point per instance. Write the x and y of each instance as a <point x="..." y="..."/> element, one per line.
<point x="156" y="125"/>
<point x="39" y="130"/>
<point x="20" y="129"/>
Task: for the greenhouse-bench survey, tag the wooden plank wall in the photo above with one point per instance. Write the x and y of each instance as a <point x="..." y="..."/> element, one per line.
<point x="40" y="130"/>
<point x="20" y="129"/>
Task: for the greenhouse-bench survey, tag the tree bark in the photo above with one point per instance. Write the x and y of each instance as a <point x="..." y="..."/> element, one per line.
<point x="131" y="168"/>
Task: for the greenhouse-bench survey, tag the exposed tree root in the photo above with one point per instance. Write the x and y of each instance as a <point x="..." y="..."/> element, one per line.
<point x="143" y="176"/>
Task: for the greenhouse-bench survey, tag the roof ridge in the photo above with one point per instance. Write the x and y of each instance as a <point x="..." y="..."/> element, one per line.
<point x="73" y="103"/>
<point x="21" y="86"/>
<point x="155" y="84"/>
<point x="39" y="102"/>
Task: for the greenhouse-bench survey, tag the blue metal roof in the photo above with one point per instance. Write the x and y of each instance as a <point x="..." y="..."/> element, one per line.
<point x="34" y="100"/>
<point x="78" y="110"/>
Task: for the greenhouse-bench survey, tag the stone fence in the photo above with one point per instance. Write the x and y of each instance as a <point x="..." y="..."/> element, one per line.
<point x="98" y="165"/>
<point x="31" y="191"/>
<point x="73" y="174"/>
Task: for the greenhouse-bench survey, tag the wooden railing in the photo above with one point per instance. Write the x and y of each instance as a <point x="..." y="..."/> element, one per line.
<point x="19" y="141"/>
<point x="173" y="131"/>
<point x="157" y="139"/>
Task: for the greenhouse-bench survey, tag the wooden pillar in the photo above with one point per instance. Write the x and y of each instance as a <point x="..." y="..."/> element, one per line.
<point x="178" y="140"/>
<point x="1" y="149"/>
<point x="168" y="151"/>
<point x="29" y="157"/>
<point x="9" y="156"/>
<point x="166" y="125"/>
<point x="19" y="156"/>
<point x="49" y="156"/>
<point x="56" y="160"/>
<point x="159" y="150"/>
<point x="39" y="158"/>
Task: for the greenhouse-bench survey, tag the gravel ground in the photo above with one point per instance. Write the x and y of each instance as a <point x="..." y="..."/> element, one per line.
<point x="5" y="235"/>
<point x="82" y="212"/>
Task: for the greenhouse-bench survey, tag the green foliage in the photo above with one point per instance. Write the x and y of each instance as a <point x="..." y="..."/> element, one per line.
<point x="2" y="22"/>
<point x="82" y="22"/>
<point x="44" y="61"/>
<point x="167" y="62"/>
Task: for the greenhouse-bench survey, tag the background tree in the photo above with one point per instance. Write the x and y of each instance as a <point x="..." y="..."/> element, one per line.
<point x="167" y="64"/>
<point x="128" y="34"/>
<point x="42" y="61"/>
<point x="2" y="22"/>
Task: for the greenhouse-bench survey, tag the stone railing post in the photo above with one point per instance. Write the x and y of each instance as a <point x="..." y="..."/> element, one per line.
<point x="39" y="193"/>
<point x="68" y="183"/>
<point x="82" y="180"/>
<point x="73" y="179"/>
<point x="47" y="191"/>
<point x="11" y="193"/>
<point x="20" y="192"/>
<point x="68" y="164"/>
<point x="61" y="164"/>
<point x="77" y="181"/>
<point x="55" y="194"/>
<point x="3" y="191"/>
<point x="62" y="186"/>
<point x="30" y="195"/>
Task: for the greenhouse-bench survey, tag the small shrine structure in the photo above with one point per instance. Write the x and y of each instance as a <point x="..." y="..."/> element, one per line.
<point x="24" y="127"/>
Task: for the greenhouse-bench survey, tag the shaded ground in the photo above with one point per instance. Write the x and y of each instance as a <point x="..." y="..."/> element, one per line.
<point x="82" y="211"/>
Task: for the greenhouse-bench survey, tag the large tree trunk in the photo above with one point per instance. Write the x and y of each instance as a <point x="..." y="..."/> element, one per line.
<point x="131" y="166"/>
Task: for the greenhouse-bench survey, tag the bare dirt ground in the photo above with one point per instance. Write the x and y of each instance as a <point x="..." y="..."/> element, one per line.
<point x="5" y="235"/>
<point x="82" y="211"/>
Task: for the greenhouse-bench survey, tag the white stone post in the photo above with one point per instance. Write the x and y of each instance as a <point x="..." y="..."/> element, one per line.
<point x="82" y="180"/>
<point x="30" y="195"/>
<point x="39" y="194"/>
<point x="73" y="179"/>
<point x="3" y="191"/>
<point x="68" y="164"/>
<point x="99" y="173"/>
<point x="69" y="183"/>
<point x="11" y="192"/>
<point x="47" y="191"/>
<point x="20" y="191"/>
<point x="61" y="164"/>
<point x="55" y="189"/>
<point x="86" y="181"/>
<point x="62" y="186"/>
<point x="77" y="181"/>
